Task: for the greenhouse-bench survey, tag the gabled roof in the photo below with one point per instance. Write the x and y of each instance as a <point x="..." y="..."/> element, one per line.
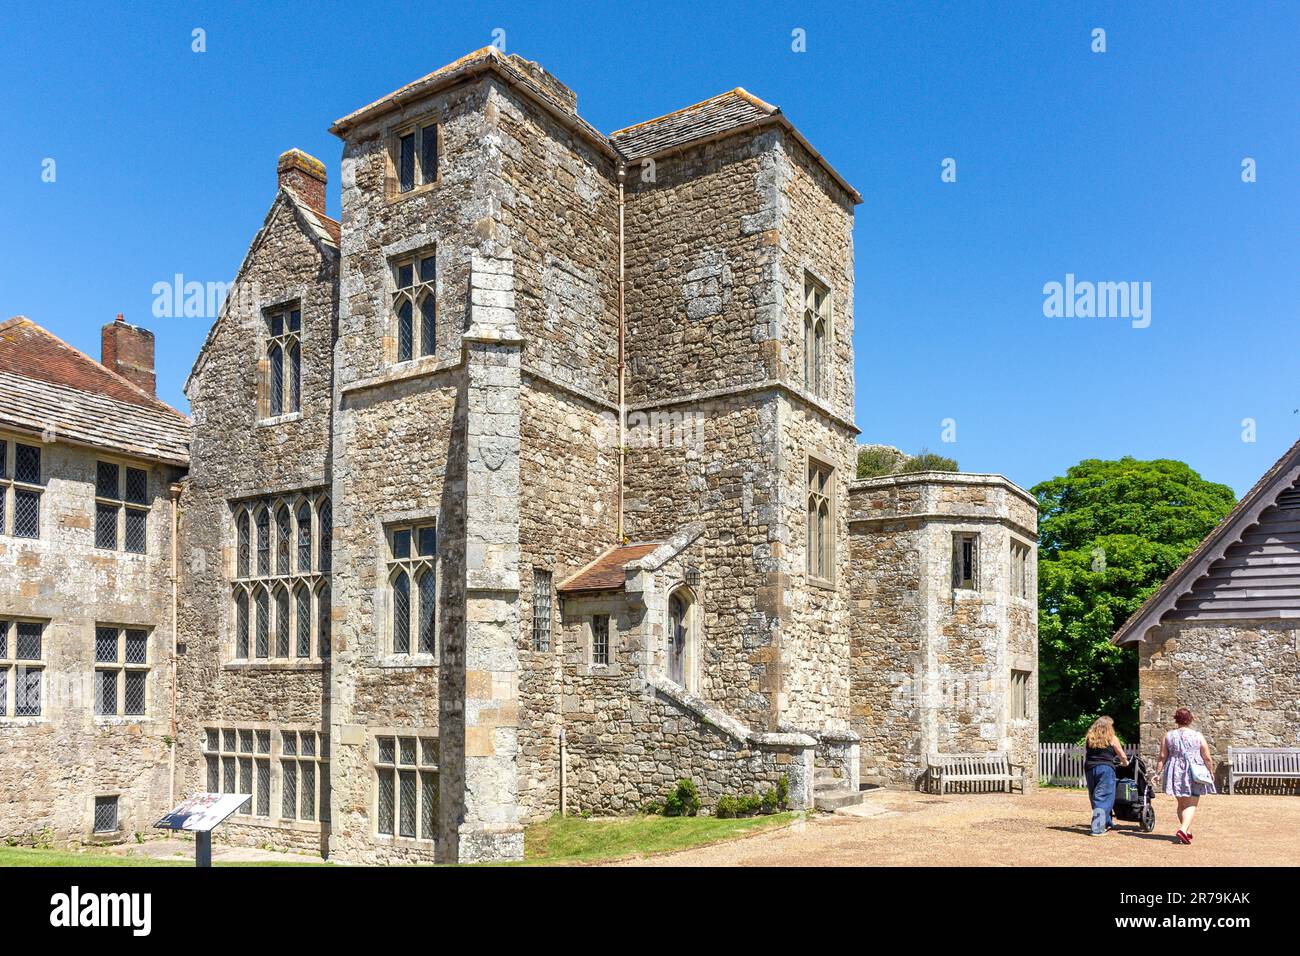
<point x="47" y="386"/>
<point x="318" y="227"/>
<point x="608" y="572"/>
<point x="722" y="115"/>
<point x="1284" y="473"/>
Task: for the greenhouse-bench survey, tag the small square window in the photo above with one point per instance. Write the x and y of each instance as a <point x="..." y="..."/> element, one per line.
<point x="246" y="741"/>
<point x="106" y="645"/>
<point x="27" y="464"/>
<point x="428" y="542"/>
<point x="136" y="538"/>
<point x="965" y="561"/>
<point x="106" y="693"/>
<point x="106" y="526"/>
<point x="600" y="639"/>
<point x="27" y="513"/>
<point x="106" y="814"/>
<point x="402" y="543"/>
<point x="137" y="486"/>
<point x="106" y="479"/>
<point x="29" y="642"/>
<point x="137" y="646"/>
<point x="387" y="750"/>
<point x="289" y="742"/>
<point x="134" y="693"/>
<point x="408" y="750"/>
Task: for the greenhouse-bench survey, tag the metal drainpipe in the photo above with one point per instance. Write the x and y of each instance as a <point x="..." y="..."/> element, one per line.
<point x="622" y="363"/>
<point x="176" y="495"/>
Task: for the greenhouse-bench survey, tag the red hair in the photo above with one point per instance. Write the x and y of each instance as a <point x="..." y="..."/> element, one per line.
<point x="1182" y="716"/>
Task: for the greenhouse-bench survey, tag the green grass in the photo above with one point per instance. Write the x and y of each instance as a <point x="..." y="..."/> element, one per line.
<point x="575" y="840"/>
<point x="559" y="840"/>
<point x="27" y="856"/>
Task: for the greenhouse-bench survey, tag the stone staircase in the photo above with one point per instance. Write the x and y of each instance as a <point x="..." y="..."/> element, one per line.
<point x="831" y="791"/>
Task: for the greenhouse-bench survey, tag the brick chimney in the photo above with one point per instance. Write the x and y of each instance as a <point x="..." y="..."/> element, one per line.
<point x="128" y="351"/>
<point x="305" y="176"/>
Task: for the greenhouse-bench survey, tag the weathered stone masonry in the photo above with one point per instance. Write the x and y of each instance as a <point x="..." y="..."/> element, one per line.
<point x="527" y="487"/>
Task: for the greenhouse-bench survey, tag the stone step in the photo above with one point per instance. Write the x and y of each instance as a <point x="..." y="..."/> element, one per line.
<point x="832" y="800"/>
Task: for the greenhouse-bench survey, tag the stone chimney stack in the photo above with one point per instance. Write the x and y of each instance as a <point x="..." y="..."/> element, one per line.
<point x="128" y="351"/>
<point x="304" y="175"/>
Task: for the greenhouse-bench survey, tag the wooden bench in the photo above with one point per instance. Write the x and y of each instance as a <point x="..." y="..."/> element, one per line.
<point x="985" y="772"/>
<point x="1262" y="763"/>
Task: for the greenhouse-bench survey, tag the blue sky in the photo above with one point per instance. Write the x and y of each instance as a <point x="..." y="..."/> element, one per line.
<point x="1117" y="166"/>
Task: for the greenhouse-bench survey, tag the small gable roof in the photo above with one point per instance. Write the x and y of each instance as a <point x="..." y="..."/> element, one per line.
<point x="609" y="571"/>
<point x="47" y="386"/>
<point x="1278" y="479"/>
<point x="318" y="227"/>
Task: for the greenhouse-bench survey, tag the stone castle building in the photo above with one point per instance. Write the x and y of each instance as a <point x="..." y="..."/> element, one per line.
<point x="528" y="486"/>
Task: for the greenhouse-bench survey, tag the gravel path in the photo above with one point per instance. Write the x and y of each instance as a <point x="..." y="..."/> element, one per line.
<point x="1047" y="827"/>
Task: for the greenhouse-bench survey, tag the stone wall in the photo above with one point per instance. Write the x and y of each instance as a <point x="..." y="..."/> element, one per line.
<point x="932" y="662"/>
<point x="57" y="763"/>
<point x="238" y="455"/>
<point x="630" y="732"/>
<point x="1241" y="680"/>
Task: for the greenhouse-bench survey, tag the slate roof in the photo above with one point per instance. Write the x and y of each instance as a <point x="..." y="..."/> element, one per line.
<point x="728" y="112"/>
<point x="720" y="114"/>
<point x="1283" y="474"/>
<point x="471" y="64"/>
<point x="717" y="116"/>
<point x="606" y="573"/>
<point x="46" y="383"/>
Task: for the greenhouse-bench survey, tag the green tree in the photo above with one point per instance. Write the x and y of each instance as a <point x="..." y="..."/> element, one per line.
<point x="1109" y="533"/>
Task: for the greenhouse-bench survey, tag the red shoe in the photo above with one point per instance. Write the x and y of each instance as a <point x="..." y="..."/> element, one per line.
<point x="1183" y="838"/>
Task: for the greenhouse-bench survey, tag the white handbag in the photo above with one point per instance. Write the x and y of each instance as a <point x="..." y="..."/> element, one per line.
<point x="1200" y="773"/>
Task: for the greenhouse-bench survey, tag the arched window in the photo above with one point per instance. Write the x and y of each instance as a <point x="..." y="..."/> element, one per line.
<point x="323" y="629"/>
<point x="295" y="377"/>
<point x="412" y="563"/>
<point x="302" y="621"/>
<point x="276" y="386"/>
<point x="263" y="542"/>
<point x="283" y="534"/>
<point x="283" y="385"/>
<point x="304" y="537"/>
<point x="278" y="612"/>
<point x="821" y="531"/>
<point x="241" y="624"/>
<point x="242" y="545"/>
<point x="401" y="613"/>
<point x="325" y="515"/>
<point x="679" y="637"/>
<point x="414" y="279"/>
<point x="428" y="324"/>
<point x="281" y="622"/>
<point x="816" y="336"/>
<point x="263" y="643"/>
<point x="427" y="589"/>
<point x="405" y="332"/>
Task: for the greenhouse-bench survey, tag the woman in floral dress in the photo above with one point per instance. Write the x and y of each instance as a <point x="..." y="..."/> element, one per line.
<point x="1184" y="755"/>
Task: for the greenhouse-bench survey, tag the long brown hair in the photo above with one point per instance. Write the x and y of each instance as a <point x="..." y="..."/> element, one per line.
<point x="1102" y="733"/>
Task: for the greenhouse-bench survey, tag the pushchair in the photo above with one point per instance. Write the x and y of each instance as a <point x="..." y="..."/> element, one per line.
<point x="1133" y="793"/>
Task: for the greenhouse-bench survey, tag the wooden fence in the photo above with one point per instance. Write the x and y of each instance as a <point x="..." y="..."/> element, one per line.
<point x="1061" y="765"/>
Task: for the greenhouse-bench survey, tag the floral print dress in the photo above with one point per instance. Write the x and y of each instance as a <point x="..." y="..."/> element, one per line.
<point x="1184" y="749"/>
